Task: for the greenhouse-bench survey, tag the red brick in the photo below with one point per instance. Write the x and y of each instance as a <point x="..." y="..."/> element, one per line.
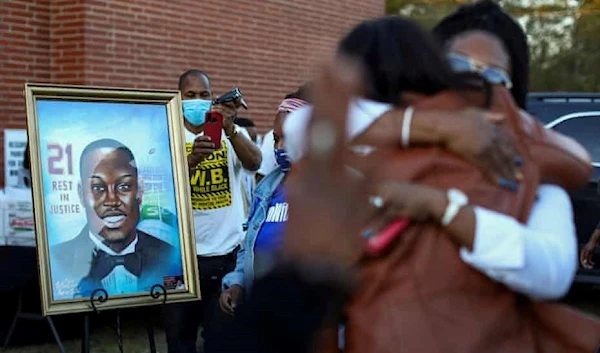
<point x="266" y="47"/>
<point x="8" y="6"/>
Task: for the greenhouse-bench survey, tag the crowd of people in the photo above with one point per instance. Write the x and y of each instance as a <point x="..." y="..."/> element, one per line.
<point x="403" y="201"/>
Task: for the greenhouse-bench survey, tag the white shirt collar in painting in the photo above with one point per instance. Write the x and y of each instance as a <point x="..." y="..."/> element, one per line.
<point x="130" y="249"/>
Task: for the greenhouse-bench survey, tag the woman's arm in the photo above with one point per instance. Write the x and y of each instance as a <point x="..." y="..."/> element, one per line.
<point x="469" y="133"/>
<point x="538" y="259"/>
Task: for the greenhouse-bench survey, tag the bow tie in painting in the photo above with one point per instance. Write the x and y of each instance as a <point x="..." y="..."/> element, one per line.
<point x="103" y="264"/>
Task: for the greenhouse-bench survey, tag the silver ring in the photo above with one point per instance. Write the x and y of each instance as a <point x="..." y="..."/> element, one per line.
<point x="376" y="201"/>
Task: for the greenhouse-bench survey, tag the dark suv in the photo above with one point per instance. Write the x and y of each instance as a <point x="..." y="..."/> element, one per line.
<point x="578" y="116"/>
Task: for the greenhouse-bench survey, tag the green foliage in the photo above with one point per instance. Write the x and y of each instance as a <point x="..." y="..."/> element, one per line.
<point x="563" y="37"/>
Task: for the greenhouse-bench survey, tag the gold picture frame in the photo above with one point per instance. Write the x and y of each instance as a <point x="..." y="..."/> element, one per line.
<point x="114" y="226"/>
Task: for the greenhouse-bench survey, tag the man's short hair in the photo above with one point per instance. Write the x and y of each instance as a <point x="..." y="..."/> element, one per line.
<point x="244" y="122"/>
<point x="192" y="73"/>
<point x="104" y="143"/>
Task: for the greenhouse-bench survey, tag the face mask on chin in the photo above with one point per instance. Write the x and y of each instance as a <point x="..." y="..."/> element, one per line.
<point x="194" y="110"/>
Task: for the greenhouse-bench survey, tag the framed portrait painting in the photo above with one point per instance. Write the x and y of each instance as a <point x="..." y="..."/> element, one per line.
<point x="111" y="198"/>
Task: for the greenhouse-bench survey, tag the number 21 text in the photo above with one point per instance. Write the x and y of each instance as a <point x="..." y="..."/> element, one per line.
<point x="56" y="159"/>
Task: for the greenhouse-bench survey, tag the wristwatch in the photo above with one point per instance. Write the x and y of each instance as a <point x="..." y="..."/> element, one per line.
<point x="236" y="130"/>
<point x="456" y="200"/>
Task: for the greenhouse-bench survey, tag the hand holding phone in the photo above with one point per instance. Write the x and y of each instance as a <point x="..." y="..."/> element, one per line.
<point x="202" y="148"/>
<point x="213" y="127"/>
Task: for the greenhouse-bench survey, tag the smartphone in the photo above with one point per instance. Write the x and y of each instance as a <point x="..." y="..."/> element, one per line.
<point x="380" y="241"/>
<point x="213" y="127"/>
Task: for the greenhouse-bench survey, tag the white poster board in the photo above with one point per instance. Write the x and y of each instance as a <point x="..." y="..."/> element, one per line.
<point x="18" y="225"/>
<point x="15" y="141"/>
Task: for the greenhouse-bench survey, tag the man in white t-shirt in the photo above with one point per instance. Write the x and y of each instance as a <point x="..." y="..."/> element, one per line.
<point x="218" y="209"/>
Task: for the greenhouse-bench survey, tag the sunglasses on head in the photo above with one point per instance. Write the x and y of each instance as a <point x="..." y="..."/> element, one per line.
<point x="496" y="76"/>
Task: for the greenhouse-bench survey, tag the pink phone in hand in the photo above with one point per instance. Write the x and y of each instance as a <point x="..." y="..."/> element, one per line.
<point x="380" y="241"/>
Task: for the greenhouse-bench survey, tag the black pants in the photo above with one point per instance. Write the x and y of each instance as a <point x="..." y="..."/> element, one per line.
<point x="182" y="320"/>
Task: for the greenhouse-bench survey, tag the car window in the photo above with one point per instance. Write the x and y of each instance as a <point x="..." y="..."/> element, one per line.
<point x="586" y="130"/>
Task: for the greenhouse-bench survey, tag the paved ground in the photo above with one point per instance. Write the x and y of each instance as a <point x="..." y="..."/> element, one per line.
<point x="103" y="337"/>
<point x="35" y="337"/>
<point x="103" y="340"/>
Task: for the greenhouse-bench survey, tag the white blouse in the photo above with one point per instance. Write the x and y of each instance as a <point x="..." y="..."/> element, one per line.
<point x="538" y="259"/>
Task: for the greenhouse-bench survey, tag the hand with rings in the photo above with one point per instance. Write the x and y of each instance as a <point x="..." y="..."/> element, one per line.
<point x="393" y="200"/>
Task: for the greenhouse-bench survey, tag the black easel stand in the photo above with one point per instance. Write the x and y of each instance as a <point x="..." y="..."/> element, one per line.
<point x="31" y="316"/>
<point x="101" y="296"/>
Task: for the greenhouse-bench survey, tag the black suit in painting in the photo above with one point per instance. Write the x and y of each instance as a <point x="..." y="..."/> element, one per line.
<point x="78" y="261"/>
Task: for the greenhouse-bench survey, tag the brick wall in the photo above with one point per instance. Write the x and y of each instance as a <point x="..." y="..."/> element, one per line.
<point x="265" y="47"/>
<point x="24" y="54"/>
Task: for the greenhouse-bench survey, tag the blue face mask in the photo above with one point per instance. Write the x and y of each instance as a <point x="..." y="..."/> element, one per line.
<point x="194" y="110"/>
<point x="283" y="160"/>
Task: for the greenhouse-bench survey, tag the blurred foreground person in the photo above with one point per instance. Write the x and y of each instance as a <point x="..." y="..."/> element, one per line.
<point x="418" y="80"/>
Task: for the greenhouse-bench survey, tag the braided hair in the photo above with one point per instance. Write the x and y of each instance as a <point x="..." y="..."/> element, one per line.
<point x="488" y="16"/>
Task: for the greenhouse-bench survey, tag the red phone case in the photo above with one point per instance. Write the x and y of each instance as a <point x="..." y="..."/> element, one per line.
<point x="213" y="127"/>
<point x="379" y="242"/>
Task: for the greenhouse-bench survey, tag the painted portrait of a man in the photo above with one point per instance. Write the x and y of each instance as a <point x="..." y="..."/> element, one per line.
<point x="110" y="252"/>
